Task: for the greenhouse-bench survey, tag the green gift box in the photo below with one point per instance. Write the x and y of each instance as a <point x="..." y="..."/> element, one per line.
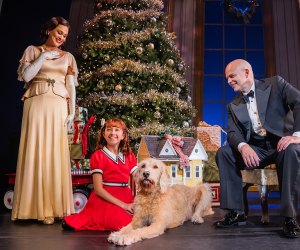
<point x="210" y="168"/>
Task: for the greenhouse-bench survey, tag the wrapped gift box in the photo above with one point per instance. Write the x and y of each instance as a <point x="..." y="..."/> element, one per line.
<point x="81" y="114"/>
<point x="215" y="188"/>
<point x="76" y="152"/>
<point x="80" y="164"/>
<point x="210" y="136"/>
<point x="210" y="168"/>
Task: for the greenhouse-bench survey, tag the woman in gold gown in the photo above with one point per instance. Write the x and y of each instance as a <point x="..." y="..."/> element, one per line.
<point x="43" y="186"/>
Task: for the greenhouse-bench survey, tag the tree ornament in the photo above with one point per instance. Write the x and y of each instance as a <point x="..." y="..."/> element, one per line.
<point x="139" y="50"/>
<point x="156" y="114"/>
<point x="108" y="22"/>
<point x="153" y="20"/>
<point x="100" y="85"/>
<point x="185" y="124"/>
<point x="170" y="62"/>
<point x="189" y="99"/>
<point x="84" y="55"/>
<point x="150" y="46"/>
<point x="180" y="66"/>
<point x="118" y="87"/>
<point x="106" y="58"/>
<point x="178" y="89"/>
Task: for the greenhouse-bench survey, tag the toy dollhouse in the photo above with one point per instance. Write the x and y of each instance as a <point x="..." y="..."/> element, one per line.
<point x="162" y="149"/>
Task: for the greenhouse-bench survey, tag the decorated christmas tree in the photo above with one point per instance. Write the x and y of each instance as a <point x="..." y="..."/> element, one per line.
<point x="130" y="68"/>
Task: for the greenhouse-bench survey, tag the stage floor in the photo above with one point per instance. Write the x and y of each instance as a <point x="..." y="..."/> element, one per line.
<point x="34" y="235"/>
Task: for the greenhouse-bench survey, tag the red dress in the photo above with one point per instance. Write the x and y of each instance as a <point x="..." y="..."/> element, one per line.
<point x="99" y="214"/>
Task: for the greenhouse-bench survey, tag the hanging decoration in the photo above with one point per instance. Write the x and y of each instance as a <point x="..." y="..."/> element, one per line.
<point x="241" y="14"/>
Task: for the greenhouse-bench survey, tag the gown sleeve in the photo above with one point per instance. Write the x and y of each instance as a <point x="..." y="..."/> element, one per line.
<point x="73" y="65"/>
<point x="29" y="55"/>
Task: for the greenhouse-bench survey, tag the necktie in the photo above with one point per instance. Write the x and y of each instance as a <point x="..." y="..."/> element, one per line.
<point x="246" y="97"/>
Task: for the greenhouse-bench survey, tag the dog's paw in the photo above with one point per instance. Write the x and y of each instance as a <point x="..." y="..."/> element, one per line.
<point x="113" y="237"/>
<point x="123" y="239"/>
<point x="208" y="211"/>
<point x="196" y="219"/>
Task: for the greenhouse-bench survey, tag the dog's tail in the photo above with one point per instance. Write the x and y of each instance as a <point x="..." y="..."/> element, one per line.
<point x="205" y="199"/>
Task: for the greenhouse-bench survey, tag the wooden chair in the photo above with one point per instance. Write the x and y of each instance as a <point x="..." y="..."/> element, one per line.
<point x="265" y="180"/>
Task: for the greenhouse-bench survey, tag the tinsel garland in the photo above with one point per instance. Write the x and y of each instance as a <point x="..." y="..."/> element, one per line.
<point x="157" y="4"/>
<point x="153" y="96"/>
<point x="142" y="15"/>
<point x="128" y="37"/>
<point x="135" y="67"/>
<point x="238" y="13"/>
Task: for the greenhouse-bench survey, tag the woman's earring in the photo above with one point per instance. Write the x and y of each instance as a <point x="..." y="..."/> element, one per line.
<point x="47" y="33"/>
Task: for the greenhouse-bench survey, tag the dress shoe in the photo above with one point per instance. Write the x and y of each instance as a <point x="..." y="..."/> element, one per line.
<point x="291" y="228"/>
<point x="48" y="221"/>
<point x="66" y="226"/>
<point x="231" y="219"/>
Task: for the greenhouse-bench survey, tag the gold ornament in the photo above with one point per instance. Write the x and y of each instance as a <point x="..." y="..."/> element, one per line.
<point x="108" y="22"/>
<point x="118" y="87"/>
<point x="106" y="58"/>
<point x="150" y="46"/>
<point x="139" y="50"/>
<point x="170" y="62"/>
<point x="156" y="114"/>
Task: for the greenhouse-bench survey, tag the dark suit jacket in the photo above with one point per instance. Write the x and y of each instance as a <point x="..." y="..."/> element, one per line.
<point x="278" y="104"/>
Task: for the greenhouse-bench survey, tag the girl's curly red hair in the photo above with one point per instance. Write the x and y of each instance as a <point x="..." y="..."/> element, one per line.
<point x="124" y="146"/>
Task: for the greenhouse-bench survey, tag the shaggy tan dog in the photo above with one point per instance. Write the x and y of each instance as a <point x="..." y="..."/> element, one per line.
<point x="159" y="206"/>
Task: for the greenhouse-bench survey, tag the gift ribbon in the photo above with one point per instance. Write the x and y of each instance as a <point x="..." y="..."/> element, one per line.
<point x="85" y="131"/>
<point x="177" y="143"/>
<point x="76" y="132"/>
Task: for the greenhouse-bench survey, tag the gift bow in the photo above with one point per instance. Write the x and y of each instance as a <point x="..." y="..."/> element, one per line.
<point x="177" y="143"/>
<point x="85" y="131"/>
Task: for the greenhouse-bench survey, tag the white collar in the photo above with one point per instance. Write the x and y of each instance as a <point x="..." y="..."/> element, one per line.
<point x="252" y="88"/>
<point x="114" y="157"/>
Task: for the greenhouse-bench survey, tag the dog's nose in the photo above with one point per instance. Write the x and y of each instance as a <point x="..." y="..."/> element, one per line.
<point x="146" y="174"/>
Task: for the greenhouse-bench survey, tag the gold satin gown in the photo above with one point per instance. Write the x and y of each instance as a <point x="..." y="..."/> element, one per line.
<point x="43" y="186"/>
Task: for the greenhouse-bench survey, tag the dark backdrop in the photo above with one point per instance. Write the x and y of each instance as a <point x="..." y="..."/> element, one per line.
<point x="20" y="23"/>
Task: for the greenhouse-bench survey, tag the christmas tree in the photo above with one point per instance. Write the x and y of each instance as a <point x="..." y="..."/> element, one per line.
<point x="130" y="68"/>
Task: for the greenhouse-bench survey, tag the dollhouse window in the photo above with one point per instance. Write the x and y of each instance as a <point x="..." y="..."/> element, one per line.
<point x="174" y="171"/>
<point x="197" y="172"/>
<point x="187" y="172"/>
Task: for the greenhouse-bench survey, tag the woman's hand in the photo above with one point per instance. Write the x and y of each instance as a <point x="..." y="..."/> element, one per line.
<point x="49" y="55"/>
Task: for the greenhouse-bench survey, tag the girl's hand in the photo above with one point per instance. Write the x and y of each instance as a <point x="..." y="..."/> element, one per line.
<point x="129" y="207"/>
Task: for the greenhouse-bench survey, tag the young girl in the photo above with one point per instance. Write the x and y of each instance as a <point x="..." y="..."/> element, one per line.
<point x="110" y="205"/>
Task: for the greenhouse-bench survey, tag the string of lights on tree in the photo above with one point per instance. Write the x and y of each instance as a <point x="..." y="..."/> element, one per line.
<point x="130" y="67"/>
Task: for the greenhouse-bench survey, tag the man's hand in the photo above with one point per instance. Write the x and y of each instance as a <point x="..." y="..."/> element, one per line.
<point x="249" y="156"/>
<point x="285" y="141"/>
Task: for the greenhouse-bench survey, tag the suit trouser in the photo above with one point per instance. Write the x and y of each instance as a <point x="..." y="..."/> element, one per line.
<point x="287" y="163"/>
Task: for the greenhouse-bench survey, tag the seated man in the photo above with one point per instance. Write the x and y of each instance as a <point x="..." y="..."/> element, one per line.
<point x="260" y="132"/>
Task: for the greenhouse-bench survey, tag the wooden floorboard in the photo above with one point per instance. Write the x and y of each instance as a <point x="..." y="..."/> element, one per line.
<point x="34" y="235"/>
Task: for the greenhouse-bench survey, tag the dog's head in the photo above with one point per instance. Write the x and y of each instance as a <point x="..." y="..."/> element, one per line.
<point x="152" y="174"/>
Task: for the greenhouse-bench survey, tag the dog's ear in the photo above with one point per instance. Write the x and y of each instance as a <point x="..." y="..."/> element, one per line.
<point x="164" y="178"/>
<point x="136" y="178"/>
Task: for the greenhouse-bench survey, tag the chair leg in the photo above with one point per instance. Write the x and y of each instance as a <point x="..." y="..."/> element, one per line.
<point x="264" y="194"/>
<point x="245" y="198"/>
